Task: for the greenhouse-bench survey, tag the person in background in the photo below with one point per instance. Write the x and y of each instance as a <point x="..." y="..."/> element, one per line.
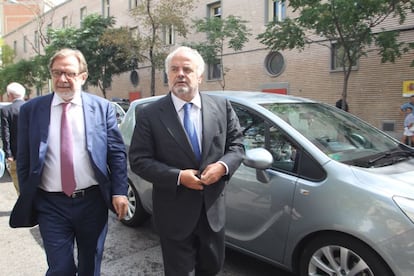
<point x="9" y="115"/>
<point x="188" y="155"/>
<point x="410" y="104"/>
<point x="338" y="104"/>
<point x="408" y="135"/>
<point x="72" y="167"/>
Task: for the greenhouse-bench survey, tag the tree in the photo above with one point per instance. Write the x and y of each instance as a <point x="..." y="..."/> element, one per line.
<point x="104" y="58"/>
<point x="232" y="30"/>
<point x="155" y="19"/>
<point x="23" y="72"/>
<point x="7" y="54"/>
<point x="351" y="26"/>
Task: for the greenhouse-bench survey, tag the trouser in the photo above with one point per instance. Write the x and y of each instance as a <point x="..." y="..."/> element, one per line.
<point x="11" y="168"/>
<point x="64" y="220"/>
<point x="200" y="254"/>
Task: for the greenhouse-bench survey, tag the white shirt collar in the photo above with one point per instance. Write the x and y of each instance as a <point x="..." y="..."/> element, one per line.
<point x="179" y="103"/>
<point x="77" y="100"/>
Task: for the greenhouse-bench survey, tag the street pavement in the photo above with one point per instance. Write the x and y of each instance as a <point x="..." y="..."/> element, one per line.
<point x="128" y="251"/>
<point x="20" y="249"/>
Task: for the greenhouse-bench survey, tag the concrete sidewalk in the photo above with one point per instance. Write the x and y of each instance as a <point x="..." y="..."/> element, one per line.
<point x="21" y="250"/>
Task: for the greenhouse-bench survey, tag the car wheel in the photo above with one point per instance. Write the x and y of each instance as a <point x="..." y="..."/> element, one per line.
<point x="136" y="214"/>
<point x="340" y="255"/>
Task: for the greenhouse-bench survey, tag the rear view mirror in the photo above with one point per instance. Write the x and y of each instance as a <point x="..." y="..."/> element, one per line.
<point x="258" y="158"/>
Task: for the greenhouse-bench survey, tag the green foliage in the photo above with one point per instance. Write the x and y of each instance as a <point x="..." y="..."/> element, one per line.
<point x="105" y="57"/>
<point x="7" y="55"/>
<point x="22" y="72"/>
<point x="230" y="32"/>
<point x="153" y="18"/>
<point x="351" y="25"/>
<point x="106" y="51"/>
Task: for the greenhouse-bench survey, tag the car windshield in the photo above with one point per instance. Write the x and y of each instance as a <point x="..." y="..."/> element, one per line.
<point x="340" y="135"/>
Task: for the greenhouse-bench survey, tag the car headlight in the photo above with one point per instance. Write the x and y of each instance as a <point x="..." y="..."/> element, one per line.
<point x="406" y="205"/>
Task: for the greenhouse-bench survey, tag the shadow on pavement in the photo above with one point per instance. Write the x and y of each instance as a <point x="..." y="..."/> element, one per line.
<point x="6" y="177"/>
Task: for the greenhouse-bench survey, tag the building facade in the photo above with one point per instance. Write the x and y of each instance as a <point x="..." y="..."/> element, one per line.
<point x="375" y="90"/>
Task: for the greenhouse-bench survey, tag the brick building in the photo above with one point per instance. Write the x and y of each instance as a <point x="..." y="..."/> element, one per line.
<point x="375" y="90"/>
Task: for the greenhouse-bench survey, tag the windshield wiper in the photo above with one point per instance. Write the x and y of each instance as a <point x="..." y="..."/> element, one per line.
<point x="389" y="154"/>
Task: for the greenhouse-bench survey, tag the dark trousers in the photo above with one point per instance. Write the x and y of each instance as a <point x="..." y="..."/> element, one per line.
<point x="64" y="220"/>
<point x="200" y="254"/>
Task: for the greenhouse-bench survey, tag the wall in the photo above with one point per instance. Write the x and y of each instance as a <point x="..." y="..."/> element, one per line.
<point x="375" y="89"/>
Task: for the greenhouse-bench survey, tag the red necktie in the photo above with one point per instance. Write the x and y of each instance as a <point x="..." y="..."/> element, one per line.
<point x="66" y="153"/>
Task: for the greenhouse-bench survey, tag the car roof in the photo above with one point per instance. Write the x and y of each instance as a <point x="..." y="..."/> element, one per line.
<point x="247" y="96"/>
<point x="4" y="104"/>
<point x="258" y="97"/>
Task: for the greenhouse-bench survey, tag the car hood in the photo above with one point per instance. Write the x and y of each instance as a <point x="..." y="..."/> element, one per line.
<point x="396" y="179"/>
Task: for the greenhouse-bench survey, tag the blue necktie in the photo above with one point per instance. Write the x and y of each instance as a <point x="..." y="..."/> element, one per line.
<point x="191" y="131"/>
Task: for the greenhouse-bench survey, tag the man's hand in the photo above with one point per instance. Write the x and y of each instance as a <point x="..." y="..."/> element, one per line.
<point x="189" y="179"/>
<point x="212" y="173"/>
<point x="121" y="206"/>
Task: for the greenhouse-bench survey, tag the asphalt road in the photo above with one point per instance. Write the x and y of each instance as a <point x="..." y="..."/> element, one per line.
<point x="128" y="251"/>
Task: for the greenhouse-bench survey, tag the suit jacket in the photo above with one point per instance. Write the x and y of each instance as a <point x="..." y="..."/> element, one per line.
<point x="160" y="149"/>
<point x="103" y="141"/>
<point x="9" y="117"/>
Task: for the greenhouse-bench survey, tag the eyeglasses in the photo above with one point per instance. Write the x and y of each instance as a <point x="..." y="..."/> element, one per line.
<point x="68" y="75"/>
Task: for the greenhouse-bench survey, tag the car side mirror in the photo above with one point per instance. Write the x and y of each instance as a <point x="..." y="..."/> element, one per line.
<point x="259" y="159"/>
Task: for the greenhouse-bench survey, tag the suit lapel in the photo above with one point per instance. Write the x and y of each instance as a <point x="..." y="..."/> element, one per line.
<point x="171" y="121"/>
<point x="89" y="115"/>
<point x="44" y="112"/>
<point x="209" y="122"/>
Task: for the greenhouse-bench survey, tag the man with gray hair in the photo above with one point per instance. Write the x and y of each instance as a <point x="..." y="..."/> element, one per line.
<point x="9" y="116"/>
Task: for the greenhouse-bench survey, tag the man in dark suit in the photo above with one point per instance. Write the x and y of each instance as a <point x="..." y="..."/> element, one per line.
<point x="188" y="192"/>
<point x="9" y="117"/>
<point x="78" y="209"/>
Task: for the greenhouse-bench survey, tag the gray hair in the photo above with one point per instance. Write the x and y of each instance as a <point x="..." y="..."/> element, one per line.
<point x="16" y="90"/>
<point x="66" y="52"/>
<point x="198" y="58"/>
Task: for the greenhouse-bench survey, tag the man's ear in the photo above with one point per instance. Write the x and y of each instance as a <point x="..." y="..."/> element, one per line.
<point x="84" y="78"/>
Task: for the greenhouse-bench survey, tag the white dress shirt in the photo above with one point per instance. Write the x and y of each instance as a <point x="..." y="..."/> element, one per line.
<point x="195" y="114"/>
<point x="84" y="174"/>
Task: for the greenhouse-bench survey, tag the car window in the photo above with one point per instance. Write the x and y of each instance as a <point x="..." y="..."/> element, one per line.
<point x="119" y="111"/>
<point x="260" y="133"/>
<point x="338" y="134"/>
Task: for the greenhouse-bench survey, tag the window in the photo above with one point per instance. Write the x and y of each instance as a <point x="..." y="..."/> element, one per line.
<point x="338" y="58"/>
<point x="134" y="32"/>
<point x="25" y="44"/>
<point x="106" y="8"/>
<point x="15" y="46"/>
<point x="259" y="133"/>
<point x="64" y="22"/>
<point x="214" y="71"/>
<point x="276" y="10"/>
<point x="83" y="13"/>
<point x="169" y="35"/>
<point x="36" y="40"/>
<point x="214" y="10"/>
<point x="133" y="4"/>
<point x="274" y="63"/>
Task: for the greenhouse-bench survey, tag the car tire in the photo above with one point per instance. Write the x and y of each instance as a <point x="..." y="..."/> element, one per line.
<point x="322" y="256"/>
<point x="136" y="215"/>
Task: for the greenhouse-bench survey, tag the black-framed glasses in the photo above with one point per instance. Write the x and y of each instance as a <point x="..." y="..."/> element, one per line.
<point x="68" y="75"/>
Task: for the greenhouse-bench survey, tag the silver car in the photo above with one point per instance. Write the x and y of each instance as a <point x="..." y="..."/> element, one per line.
<point x="320" y="192"/>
